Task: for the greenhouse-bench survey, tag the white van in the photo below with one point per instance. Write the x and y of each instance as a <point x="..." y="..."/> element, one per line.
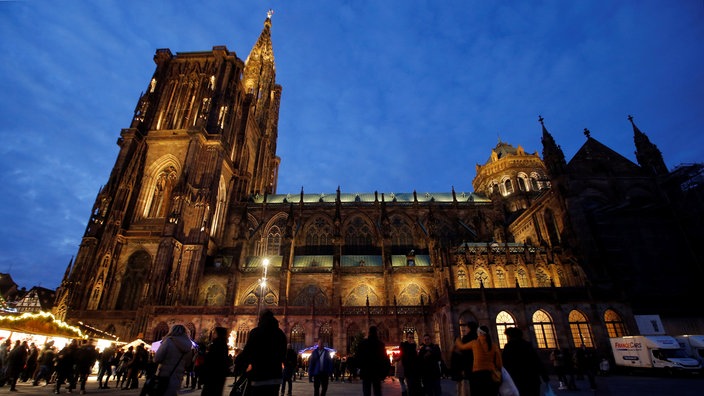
<point x="693" y="345"/>
<point x="653" y="351"/>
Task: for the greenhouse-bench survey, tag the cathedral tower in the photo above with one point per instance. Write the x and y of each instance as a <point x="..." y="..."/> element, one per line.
<point x="202" y="138"/>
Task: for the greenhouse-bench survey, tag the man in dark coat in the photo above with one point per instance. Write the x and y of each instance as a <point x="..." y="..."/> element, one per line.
<point x="430" y="360"/>
<point x="217" y="364"/>
<point x="523" y="363"/>
<point x="15" y="363"/>
<point x="64" y="366"/>
<point x="290" y="363"/>
<point x="320" y="369"/>
<point x="263" y="355"/>
<point x="373" y="362"/>
<point x="86" y="356"/>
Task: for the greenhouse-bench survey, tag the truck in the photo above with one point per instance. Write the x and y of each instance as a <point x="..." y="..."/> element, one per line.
<point x="661" y="352"/>
<point x="693" y="345"/>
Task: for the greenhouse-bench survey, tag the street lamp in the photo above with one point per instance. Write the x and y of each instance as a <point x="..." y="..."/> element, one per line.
<point x="262" y="287"/>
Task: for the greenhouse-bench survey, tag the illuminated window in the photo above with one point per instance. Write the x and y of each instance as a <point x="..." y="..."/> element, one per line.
<point x="614" y="324"/>
<point x="522" y="277"/>
<point x="161" y="194"/>
<point x="580" y="329"/>
<point x="480" y="278"/>
<point x="501" y="278"/>
<point x="544" y="330"/>
<point x="461" y="279"/>
<point x="504" y="320"/>
<point x="508" y="186"/>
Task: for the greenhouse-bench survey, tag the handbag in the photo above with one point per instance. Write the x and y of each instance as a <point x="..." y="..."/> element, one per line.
<point x="240" y="387"/>
<point x="159" y="384"/>
<point x="496" y="375"/>
<point x="507" y="387"/>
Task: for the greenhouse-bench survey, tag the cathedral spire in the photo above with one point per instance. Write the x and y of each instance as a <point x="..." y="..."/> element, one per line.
<point x="553" y="156"/>
<point x="259" y="68"/>
<point x="648" y="155"/>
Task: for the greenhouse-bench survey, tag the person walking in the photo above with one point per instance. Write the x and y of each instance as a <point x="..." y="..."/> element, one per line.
<point x="465" y="359"/>
<point x="15" y="363"/>
<point x="557" y="357"/>
<point x="263" y="356"/>
<point x="105" y="365"/>
<point x="373" y="363"/>
<point x="46" y="363"/>
<point x="409" y="361"/>
<point x="320" y="369"/>
<point x="64" y="366"/>
<point x="487" y="361"/>
<point x="289" y="371"/>
<point x="86" y="356"/>
<point x="523" y="363"/>
<point x="586" y="364"/>
<point x="216" y="365"/>
<point x="171" y="358"/>
<point x="430" y="360"/>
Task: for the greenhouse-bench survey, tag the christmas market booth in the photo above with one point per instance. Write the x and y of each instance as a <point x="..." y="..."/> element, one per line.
<point x="38" y="328"/>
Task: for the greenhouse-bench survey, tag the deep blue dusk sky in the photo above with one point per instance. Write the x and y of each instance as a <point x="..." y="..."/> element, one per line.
<point x="392" y="96"/>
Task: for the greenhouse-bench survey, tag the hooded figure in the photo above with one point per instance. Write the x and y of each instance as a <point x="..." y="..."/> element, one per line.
<point x="263" y="355"/>
<point x="173" y="354"/>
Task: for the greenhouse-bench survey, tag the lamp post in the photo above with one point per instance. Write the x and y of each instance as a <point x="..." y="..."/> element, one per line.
<point x="262" y="287"/>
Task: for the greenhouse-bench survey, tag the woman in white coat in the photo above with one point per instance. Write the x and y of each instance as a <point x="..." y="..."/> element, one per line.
<point x="172" y="356"/>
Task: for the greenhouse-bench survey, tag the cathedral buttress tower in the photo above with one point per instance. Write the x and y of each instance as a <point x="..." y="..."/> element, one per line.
<point x="202" y="138"/>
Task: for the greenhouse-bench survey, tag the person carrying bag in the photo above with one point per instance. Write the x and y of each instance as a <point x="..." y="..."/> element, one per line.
<point x="175" y="350"/>
<point x="486" y="370"/>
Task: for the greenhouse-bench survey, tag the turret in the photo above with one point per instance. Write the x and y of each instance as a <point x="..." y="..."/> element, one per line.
<point x="647" y="154"/>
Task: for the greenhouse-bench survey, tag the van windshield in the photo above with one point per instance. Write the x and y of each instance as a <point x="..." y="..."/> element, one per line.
<point x="663" y="354"/>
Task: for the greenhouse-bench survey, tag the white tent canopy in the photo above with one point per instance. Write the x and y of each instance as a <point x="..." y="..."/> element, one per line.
<point x="136" y="342"/>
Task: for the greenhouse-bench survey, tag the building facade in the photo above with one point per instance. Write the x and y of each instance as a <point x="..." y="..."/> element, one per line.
<point x="189" y="229"/>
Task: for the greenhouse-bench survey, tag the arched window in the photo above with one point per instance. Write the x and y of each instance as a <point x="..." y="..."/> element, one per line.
<point x="480" y="278"/>
<point x="521" y="184"/>
<point x="359" y="237"/>
<point x="401" y="235"/>
<point x="461" y="279"/>
<point x="214" y="296"/>
<point x="542" y="278"/>
<point x="504" y="320"/>
<point x="273" y="243"/>
<point x="551" y="225"/>
<point x="501" y="278"/>
<point x="161" y="194"/>
<point x="318" y="234"/>
<point x="241" y="336"/>
<point x="325" y="334"/>
<point x="580" y="329"/>
<point x="219" y="207"/>
<point x="160" y="331"/>
<point x="614" y="324"/>
<point x="544" y="330"/>
<point x="508" y="186"/>
<point x="133" y="281"/>
<point x="298" y="337"/>
<point x="522" y="277"/>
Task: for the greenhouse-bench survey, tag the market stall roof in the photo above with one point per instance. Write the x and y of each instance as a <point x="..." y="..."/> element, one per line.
<point x="39" y="323"/>
<point x="135" y="343"/>
<point x="157" y="344"/>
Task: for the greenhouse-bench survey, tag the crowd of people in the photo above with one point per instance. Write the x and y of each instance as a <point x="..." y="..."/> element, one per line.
<point x="268" y="364"/>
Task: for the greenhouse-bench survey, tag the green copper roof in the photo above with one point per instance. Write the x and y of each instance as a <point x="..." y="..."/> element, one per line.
<point x="370" y="197"/>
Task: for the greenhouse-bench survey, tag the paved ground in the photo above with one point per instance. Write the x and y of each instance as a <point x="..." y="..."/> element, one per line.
<point x="300" y="388"/>
<point x="608" y="386"/>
